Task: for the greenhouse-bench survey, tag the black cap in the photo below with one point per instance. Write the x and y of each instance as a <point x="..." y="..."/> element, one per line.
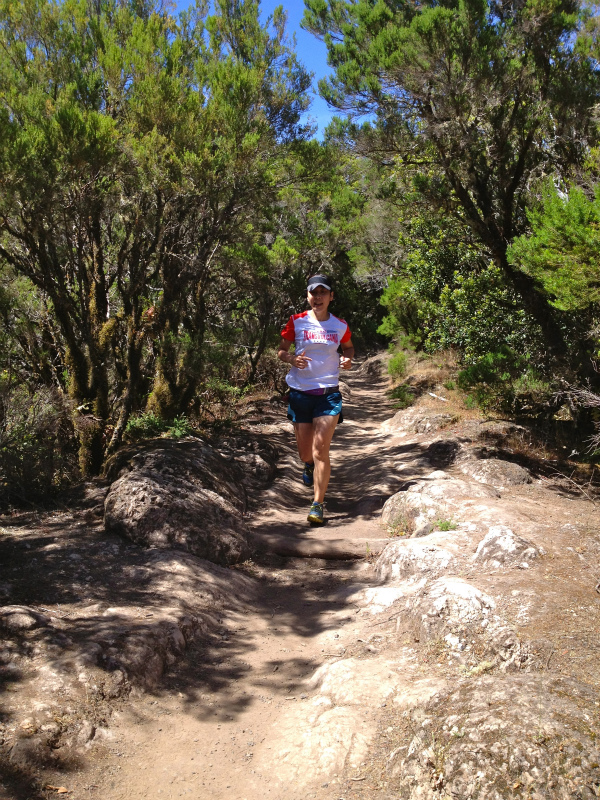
<point x="319" y="280"/>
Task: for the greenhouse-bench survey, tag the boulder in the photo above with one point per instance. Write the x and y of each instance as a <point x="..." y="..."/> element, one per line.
<point x="448" y="605"/>
<point x="417" y="508"/>
<point x="443" y="453"/>
<point x="411" y="558"/>
<point x="460" y="614"/>
<point x="21" y="618"/>
<point x="374" y="367"/>
<point x="181" y="494"/>
<point x="496" y="472"/>
<point x="500" y="547"/>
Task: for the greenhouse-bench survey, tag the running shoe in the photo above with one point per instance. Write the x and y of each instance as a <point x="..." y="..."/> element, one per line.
<point x="307" y="475"/>
<point x="315" y="515"/>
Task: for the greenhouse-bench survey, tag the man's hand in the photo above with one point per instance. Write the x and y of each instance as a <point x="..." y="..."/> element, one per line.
<point x="300" y="360"/>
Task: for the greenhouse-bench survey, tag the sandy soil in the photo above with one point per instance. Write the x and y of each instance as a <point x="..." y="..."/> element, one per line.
<point x="213" y="729"/>
<point x="200" y="734"/>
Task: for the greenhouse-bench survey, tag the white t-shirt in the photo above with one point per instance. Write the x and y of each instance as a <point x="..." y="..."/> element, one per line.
<point x="318" y="341"/>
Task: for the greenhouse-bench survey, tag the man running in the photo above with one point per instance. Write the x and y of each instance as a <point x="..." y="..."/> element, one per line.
<point x="315" y="405"/>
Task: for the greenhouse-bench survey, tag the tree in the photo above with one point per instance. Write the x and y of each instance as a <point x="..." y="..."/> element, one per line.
<point x="475" y="99"/>
<point x="133" y="150"/>
<point x="562" y="250"/>
<point x="448" y="295"/>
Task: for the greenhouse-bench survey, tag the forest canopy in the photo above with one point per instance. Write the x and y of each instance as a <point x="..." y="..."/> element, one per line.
<point x="161" y="203"/>
<point x="162" y="198"/>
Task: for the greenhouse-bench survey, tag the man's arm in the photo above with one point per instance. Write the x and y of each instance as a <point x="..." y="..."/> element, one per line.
<point x="347" y="355"/>
<point x="295" y="359"/>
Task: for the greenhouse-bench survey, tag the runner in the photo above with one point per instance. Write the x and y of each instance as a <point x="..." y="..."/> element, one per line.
<point x="315" y="399"/>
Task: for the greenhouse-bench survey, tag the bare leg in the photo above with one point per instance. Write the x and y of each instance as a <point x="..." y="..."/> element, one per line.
<point x="323" y="429"/>
<point x="304" y="440"/>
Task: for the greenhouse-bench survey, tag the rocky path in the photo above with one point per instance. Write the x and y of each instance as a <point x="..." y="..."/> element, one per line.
<point x="216" y="727"/>
<point x="457" y="659"/>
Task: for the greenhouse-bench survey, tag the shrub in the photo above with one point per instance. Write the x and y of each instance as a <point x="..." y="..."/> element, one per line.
<point x="38" y="447"/>
<point x="446" y="525"/>
<point x="402" y="396"/>
<point x="505" y="381"/>
<point x="397" y="365"/>
<point x="148" y="425"/>
<point x="179" y="427"/>
<point x="144" y="426"/>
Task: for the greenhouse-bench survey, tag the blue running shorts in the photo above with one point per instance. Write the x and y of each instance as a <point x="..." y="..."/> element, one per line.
<point x="305" y="407"/>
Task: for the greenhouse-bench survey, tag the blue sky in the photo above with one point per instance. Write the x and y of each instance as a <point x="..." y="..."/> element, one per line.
<point x="311" y="52"/>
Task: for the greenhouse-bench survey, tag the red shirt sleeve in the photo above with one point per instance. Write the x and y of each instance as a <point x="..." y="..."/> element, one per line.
<point x="289" y="331"/>
<point x="347" y="335"/>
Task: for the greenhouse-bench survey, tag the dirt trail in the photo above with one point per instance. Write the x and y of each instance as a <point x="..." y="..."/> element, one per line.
<point x="331" y="676"/>
<point x="208" y="732"/>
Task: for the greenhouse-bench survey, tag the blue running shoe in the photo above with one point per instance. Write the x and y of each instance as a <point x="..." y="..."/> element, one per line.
<point x="307" y="475"/>
<point x="315" y="515"/>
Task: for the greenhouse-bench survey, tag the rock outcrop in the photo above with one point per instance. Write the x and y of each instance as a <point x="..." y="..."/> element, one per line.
<point x="438" y="497"/>
<point x="188" y="495"/>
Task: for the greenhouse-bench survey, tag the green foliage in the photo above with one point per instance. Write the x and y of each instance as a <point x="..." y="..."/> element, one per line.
<point x="504" y="380"/>
<point x="459" y="300"/>
<point x="446" y="525"/>
<point x="179" y="428"/>
<point x="397" y="365"/>
<point x="562" y="250"/>
<point x="133" y="147"/>
<point x="472" y="101"/>
<point x="401" y="396"/>
<point x="145" y="426"/>
<point x="403" y="320"/>
<point x="37" y="444"/>
<point x="148" y="425"/>
<point x="492" y="368"/>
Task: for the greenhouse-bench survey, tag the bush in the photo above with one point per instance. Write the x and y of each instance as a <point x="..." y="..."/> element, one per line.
<point x="504" y="381"/>
<point x="38" y="447"/>
<point x="397" y="365"/>
<point x="149" y="425"/>
<point x="402" y="396"/>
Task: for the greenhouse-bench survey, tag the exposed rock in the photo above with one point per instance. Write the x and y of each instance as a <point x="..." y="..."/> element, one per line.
<point x="504" y="648"/>
<point x="416" y="420"/>
<point x="496" y="472"/>
<point x="181" y="494"/>
<point x="502" y="548"/>
<point x="348" y="682"/>
<point x="188" y="591"/>
<point x="447" y="605"/>
<point x="374" y="367"/>
<point x="30" y="752"/>
<point x="454" y="610"/>
<point x="21" y="618"/>
<point x="376" y="599"/>
<point x="86" y="732"/>
<point x="345" y="390"/>
<point x="490" y="430"/>
<point x="256" y="459"/>
<point x="433" y="422"/>
<point x="418" y="507"/>
<point x="334" y="728"/>
<point x="499" y="737"/>
<point x="411" y="558"/>
<point x="443" y="453"/>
